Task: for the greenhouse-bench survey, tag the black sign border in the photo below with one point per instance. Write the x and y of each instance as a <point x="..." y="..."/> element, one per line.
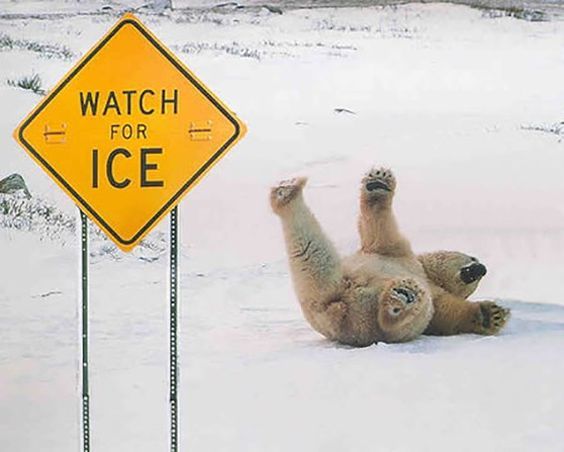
<point x="169" y="204"/>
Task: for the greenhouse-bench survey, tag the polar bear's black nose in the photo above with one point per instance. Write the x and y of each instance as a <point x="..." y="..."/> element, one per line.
<point x="472" y="272"/>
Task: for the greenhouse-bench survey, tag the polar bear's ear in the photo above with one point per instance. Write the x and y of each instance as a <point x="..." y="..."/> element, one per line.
<point x="404" y="310"/>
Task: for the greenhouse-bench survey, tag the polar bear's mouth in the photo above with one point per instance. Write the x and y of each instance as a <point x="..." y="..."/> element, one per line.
<point x="377" y="185"/>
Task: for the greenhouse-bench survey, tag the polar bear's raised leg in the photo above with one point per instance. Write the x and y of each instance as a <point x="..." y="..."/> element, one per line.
<point x="455" y="272"/>
<point x="314" y="262"/>
<point x="379" y="232"/>
<point x="454" y="315"/>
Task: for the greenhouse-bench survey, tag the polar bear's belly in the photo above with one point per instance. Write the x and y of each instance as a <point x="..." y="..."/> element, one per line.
<point x="370" y="267"/>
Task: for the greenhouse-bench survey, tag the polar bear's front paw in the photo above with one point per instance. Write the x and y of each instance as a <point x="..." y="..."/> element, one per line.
<point x="490" y="318"/>
<point x="285" y="192"/>
<point x="378" y="183"/>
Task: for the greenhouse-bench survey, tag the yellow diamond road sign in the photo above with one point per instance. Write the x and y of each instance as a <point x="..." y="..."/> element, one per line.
<point x="129" y="131"/>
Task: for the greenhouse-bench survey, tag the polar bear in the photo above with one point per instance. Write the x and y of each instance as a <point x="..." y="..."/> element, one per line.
<point x="383" y="292"/>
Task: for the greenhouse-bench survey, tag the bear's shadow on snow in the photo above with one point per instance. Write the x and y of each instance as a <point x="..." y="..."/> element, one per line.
<point x="534" y="318"/>
<point x="527" y="319"/>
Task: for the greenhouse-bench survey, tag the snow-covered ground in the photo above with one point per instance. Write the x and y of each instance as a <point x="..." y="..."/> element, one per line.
<point x="464" y="105"/>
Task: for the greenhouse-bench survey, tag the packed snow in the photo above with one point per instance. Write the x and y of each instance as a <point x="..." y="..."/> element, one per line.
<point x="464" y="104"/>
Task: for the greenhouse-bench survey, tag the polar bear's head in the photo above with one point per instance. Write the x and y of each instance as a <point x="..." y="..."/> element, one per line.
<point x="455" y="272"/>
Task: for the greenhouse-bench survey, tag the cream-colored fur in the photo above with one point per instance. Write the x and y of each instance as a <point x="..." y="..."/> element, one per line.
<point x="383" y="292"/>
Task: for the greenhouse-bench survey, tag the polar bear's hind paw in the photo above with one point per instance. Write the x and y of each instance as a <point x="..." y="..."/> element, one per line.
<point x="401" y="296"/>
<point x="286" y="191"/>
<point x="405" y="294"/>
<point x="379" y="182"/>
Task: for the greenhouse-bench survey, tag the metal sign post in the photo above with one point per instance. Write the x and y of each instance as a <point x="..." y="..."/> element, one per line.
<point x="84" y="334"/>
<point x="173" y="330"/>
